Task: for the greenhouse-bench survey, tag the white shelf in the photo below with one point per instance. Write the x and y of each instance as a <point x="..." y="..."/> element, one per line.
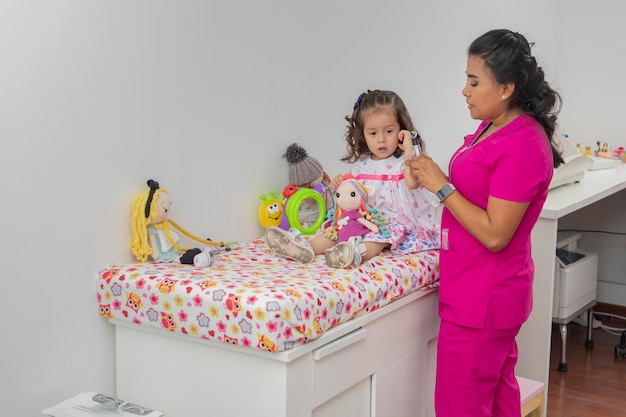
<point x="595" y="186"/>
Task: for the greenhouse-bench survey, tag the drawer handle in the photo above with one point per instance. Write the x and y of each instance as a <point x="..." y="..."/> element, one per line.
<point x="339" y="344"/>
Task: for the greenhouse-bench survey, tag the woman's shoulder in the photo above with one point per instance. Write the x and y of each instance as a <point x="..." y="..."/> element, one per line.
<point x="523" y="131"/>
<point x="525" y="122"/>
<point x="523" y="142"/>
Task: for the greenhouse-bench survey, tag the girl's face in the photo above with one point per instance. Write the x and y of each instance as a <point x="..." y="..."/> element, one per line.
<point x="381" y="129"/>
<point x="484" y="96"/>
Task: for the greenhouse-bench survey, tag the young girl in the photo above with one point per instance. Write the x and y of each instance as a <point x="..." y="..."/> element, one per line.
<point x="378" y="135"/>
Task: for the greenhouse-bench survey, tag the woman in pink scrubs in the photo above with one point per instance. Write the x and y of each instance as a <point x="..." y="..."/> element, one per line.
<point x="497" y="184"/>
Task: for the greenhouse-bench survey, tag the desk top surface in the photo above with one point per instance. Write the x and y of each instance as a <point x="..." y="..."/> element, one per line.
<point x="594" y="186"/>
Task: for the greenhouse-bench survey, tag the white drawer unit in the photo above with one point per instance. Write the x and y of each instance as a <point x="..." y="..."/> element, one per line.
<point x="364" y="367"/>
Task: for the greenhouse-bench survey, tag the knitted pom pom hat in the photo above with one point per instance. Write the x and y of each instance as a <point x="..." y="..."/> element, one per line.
<point x="303" y="169"/>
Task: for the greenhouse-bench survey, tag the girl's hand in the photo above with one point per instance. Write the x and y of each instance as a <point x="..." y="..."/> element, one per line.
<point x="338" y="179"/>
<point x="404" y="142"/>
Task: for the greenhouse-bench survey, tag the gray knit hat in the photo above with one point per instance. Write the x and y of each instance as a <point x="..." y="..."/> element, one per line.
<point x="303" y="169"/>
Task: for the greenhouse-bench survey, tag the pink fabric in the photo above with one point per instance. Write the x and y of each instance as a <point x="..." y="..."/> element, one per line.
<point x="348" y="225"/>
<point x="476" y="372"/>
<point x="485" y="296"/>
<point x="514" y="163"/>
<point x="381" y="177"/>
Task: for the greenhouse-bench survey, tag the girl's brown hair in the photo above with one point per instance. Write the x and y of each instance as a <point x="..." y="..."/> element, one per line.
<point x="372" y="100"/>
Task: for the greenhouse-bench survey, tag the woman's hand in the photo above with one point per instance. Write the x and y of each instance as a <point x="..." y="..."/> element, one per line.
<point x="426" y="172"/>
<point x="493" y="226"/>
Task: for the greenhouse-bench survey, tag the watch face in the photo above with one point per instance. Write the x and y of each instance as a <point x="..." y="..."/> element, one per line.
<point x="445" y="191"/>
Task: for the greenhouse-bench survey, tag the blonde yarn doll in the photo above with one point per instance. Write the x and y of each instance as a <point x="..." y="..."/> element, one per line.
<point x="152" y="237"/>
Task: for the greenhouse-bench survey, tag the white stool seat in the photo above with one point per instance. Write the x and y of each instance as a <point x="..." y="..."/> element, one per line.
<point x="531" y="393"/>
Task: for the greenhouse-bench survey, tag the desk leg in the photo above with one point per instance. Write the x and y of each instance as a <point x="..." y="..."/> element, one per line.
<point x="563" y="362"/>
<point x="589" y="341"/>
<point x="534" y="338"/>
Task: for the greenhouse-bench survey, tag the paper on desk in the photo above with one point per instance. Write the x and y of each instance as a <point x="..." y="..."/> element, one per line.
<point x="92" y="404"/>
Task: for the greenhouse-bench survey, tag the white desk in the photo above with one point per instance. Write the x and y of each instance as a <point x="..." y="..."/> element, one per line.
<point x="535" y="336"/>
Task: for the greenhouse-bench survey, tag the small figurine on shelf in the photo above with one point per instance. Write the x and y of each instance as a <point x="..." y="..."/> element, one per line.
<point x="151" y="236"/>
<point x="605" y="153"/>
<point x="605" y="147"/>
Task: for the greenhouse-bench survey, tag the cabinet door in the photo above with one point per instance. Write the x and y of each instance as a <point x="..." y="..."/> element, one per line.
<point x="354" y="402"/>
<point x="403" y="388"/>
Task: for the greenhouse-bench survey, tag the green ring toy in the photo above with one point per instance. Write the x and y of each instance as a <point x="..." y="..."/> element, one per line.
<point x="293" y="208"/>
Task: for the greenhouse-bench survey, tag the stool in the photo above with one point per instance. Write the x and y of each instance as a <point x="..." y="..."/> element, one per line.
<point x="531" y="393"/>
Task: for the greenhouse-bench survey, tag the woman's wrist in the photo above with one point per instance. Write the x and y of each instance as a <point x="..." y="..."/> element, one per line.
<point x="445" y="191"/>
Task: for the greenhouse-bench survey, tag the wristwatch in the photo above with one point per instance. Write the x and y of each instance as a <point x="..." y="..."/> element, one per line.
<point x="445" y="191"/>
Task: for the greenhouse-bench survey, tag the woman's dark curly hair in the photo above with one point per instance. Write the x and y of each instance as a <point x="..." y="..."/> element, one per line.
<point x="373" y="99"/>
<point x="508" y="56"/>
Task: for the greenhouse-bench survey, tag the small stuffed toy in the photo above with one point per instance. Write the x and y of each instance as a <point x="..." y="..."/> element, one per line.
<point x="341" y="240"/>
<point x="151" y="236"/>
<point x="304" y="170"/>
<point x="307" y="172"/>
<point x="352" y="215"/>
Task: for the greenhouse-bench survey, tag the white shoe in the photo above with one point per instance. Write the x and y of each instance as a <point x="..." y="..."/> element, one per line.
<point x="204" y="259"/>
<point x="359" y="249"/>
<point x="345" y="254"/>
<point x="340" y="256"/>
<point x="290" y="244"/>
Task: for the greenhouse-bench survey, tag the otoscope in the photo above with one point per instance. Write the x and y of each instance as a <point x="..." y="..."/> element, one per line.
<point x="417" y="149"/>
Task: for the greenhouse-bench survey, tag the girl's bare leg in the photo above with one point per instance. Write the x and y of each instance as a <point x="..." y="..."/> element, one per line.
<point x="320" y="243"/>
<point x="373" y="249"/>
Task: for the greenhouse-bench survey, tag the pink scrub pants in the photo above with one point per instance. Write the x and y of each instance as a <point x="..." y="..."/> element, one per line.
<point x="476" y="372"/>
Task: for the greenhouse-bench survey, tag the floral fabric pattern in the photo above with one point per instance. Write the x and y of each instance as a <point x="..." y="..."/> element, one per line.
<point x="252" y="297"/>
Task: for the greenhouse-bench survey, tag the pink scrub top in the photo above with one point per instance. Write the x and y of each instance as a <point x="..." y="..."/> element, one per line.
<point x="515" y="163"/>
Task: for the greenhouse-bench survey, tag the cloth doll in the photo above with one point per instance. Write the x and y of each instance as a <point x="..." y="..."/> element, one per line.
<point x="152" y="237"/>
<point x="352" y="215"/>
<point x="306" y="171"/>
<point x="341" y="240"/>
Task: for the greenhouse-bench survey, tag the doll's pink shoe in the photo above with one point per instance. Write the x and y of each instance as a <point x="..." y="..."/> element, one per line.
<point x="290" y="244"/>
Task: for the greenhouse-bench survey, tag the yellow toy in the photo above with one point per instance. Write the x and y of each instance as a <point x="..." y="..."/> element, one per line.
<point x="152" y="237"/>
<point x="271" y="211"/>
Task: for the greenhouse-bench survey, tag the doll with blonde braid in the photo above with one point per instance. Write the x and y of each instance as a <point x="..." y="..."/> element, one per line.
<point x="152" y="237"/>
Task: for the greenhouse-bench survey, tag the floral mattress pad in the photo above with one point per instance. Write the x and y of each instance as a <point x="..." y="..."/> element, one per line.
<point x="254" y="298"/>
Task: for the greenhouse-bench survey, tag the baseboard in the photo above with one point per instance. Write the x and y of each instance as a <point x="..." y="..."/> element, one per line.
<point x="611" y="292"/>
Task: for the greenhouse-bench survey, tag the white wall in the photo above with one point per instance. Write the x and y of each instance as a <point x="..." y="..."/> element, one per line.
<point x="590" y="74"/>
<point x="590" y="70"/>
<point x="96" y="97"/>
